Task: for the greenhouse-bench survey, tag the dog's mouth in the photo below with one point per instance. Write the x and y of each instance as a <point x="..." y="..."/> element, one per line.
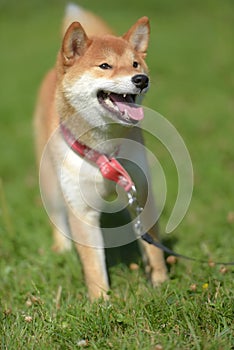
<point x="122" y="105"/>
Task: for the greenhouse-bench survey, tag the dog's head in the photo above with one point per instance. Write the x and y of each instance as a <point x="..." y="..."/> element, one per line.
<point x="105" y="77"/>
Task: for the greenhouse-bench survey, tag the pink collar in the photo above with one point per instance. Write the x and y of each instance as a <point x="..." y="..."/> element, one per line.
<point x="110" y="168"/>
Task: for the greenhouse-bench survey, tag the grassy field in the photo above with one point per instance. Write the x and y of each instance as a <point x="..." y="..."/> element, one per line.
<point x="43" y="300"/>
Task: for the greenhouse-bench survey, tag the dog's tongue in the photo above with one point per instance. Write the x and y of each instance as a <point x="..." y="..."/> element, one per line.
<point x="126" y="105"/>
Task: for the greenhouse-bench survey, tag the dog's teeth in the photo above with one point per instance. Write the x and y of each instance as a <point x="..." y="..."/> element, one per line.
<point x="124" y="95"/>
<point x="108" y="102"/>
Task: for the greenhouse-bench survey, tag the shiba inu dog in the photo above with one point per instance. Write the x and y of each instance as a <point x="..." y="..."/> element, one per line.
<point x="91" y="97"/>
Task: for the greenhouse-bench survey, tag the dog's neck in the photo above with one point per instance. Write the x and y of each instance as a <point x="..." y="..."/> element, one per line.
<point x="106" y="138"/>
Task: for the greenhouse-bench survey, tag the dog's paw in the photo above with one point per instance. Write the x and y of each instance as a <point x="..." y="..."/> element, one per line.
<point x="97" y="293"/>
<point x="157" y="275"/>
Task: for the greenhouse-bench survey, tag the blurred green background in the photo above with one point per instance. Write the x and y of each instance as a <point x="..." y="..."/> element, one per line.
<point x="191" y="61"/>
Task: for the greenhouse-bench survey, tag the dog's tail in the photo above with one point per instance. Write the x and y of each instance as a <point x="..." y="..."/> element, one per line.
<point x="92" y="24"/>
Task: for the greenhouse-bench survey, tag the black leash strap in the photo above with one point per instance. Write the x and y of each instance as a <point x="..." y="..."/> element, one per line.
<point x="149" y="239"/>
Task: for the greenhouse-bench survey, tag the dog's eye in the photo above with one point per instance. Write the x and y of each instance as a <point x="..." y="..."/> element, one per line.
<point x="135" y="64"/>
<point x="105" y="66"/>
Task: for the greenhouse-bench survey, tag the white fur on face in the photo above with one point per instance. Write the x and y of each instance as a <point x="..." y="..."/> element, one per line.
<point x="82" y="95"/>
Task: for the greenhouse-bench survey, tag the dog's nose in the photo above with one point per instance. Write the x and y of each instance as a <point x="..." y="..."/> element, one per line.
<point x="141" y="81"/>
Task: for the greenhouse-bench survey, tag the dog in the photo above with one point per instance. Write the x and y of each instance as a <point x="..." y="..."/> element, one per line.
<point x="92" y="98"/>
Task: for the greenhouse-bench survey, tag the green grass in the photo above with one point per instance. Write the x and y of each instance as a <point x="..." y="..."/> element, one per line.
<point x="43" y="300"/>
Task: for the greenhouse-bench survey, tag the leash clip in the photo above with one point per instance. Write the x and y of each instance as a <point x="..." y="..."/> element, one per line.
<point x="134" y="204"/>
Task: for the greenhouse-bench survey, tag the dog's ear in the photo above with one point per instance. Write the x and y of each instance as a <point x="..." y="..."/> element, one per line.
<point x="75" y="42"/>
<point x="138" y="35"/>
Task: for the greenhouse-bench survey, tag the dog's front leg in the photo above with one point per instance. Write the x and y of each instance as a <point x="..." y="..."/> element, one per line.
<point x="88" y="239"/>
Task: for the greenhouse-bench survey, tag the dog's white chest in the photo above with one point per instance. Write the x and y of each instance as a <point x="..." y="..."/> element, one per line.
<point x="82" y="183"/>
